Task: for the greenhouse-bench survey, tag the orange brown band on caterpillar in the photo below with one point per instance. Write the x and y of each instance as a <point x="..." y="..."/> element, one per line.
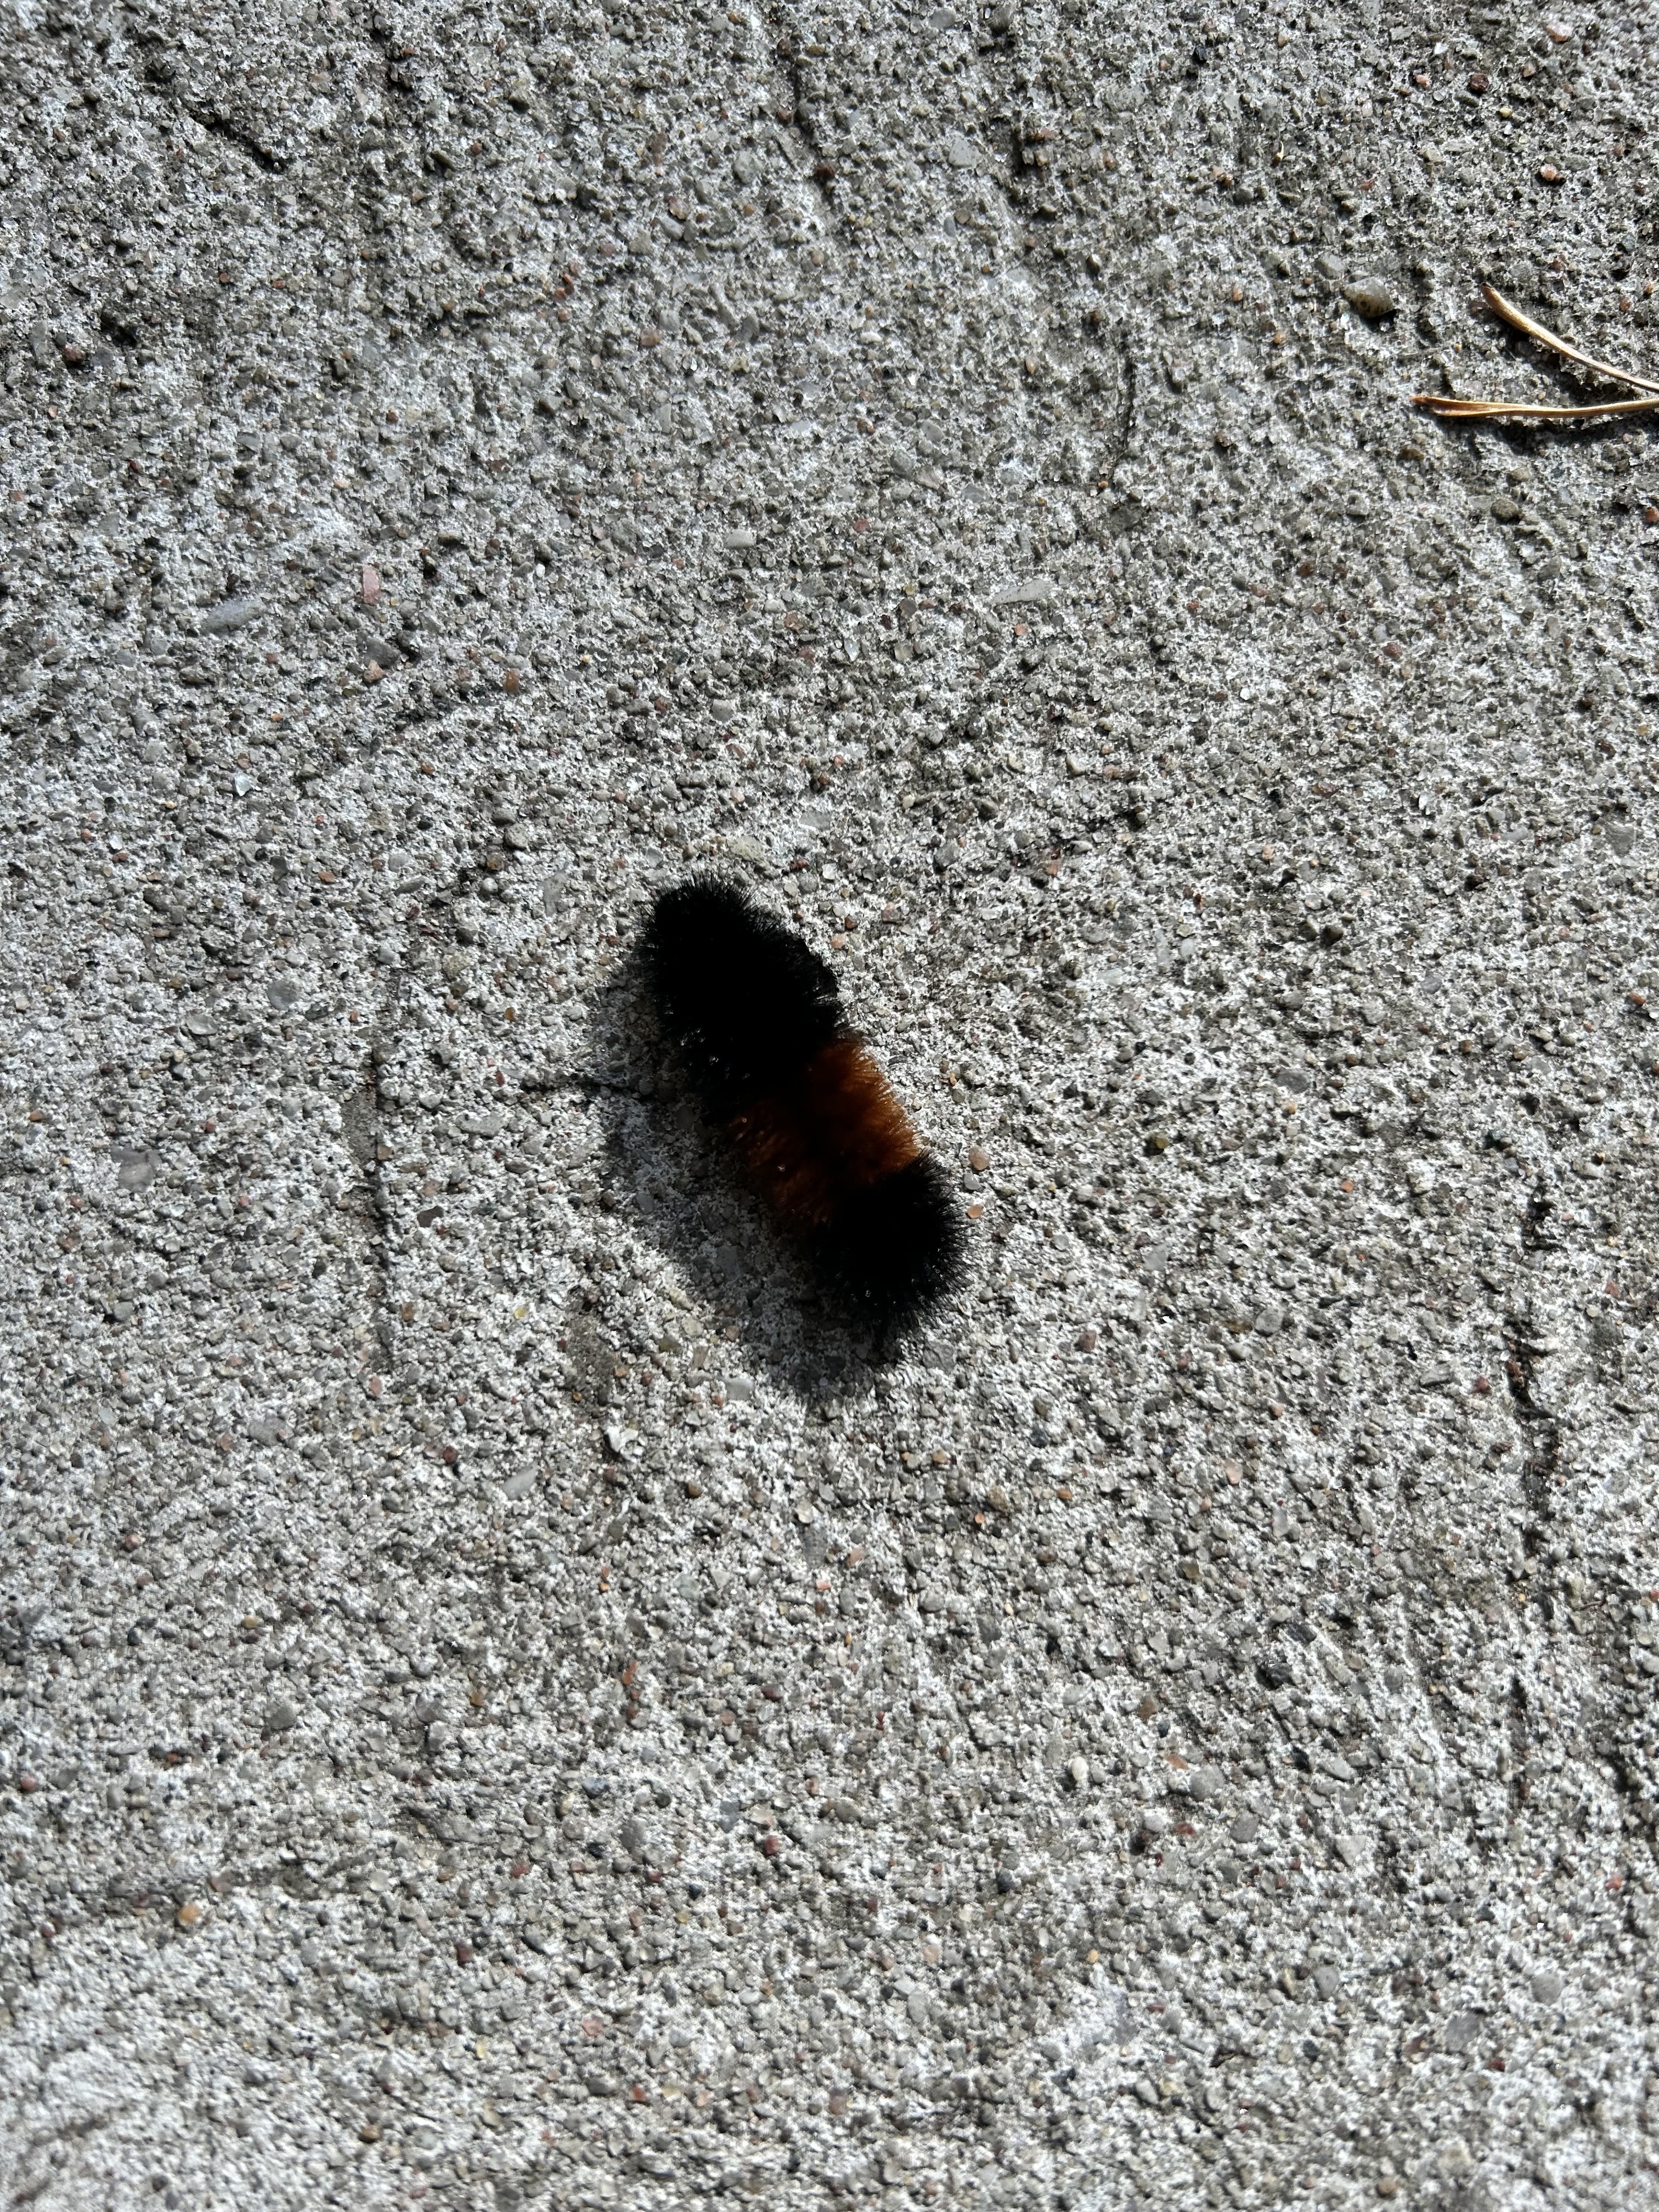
<point x="838" y="1130"/>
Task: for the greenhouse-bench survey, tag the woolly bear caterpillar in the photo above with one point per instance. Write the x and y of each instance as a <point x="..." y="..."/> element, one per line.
<point x="758" y="1022"/>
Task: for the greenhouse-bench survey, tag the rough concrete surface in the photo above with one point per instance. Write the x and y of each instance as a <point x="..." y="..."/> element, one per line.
<point x="508" y="1702"/>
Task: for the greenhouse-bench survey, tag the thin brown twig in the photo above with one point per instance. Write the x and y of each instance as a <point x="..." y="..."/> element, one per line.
<point x="1486" y="411"/>
<point x="1451" y="408"/>
<point x="1512" y="315"/>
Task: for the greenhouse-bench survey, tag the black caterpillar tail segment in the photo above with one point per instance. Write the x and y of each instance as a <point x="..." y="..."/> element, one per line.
<point x="758" y="1022"/>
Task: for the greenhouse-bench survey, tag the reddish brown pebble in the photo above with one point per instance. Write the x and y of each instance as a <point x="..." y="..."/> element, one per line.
<point x="649" y="336"/>
<point x="1550" y="175"/>
<point x="1088" y="1340"/>
<point x="28" y="1783"/>
<point x="978" y="1158"/>
<point x="1477" y="82"/>
<point x="191" y="1914"/>
<point x="463" y="1954"/>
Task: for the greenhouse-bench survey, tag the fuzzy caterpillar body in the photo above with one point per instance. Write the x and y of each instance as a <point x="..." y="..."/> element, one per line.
<point x="757" y="1020"/>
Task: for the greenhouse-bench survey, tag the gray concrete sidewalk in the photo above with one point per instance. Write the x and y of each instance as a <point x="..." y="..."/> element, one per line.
<point x="507" y="1701"/>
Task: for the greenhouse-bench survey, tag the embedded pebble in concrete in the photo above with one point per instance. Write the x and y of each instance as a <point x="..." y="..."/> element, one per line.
<point x="508" y="1699"/>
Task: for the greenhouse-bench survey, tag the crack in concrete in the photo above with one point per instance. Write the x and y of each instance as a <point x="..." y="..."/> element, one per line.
<point x="1541" y="1459"/>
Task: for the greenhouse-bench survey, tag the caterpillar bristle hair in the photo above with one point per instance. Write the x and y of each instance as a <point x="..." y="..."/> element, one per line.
<point x="758" y="1022"/>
